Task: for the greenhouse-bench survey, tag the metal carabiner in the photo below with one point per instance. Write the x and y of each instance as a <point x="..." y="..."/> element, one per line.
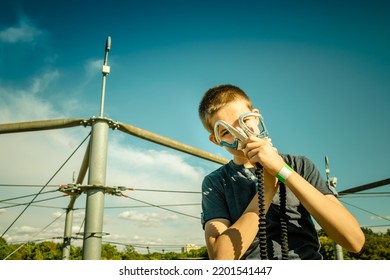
<point x="239" y="136"/>
<point x="262" y="129"/>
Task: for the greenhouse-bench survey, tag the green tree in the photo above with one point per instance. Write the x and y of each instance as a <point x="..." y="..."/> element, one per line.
<point x="110" y="252"/>
<point x="327" y="249"/>
<point x="377" y="247"/>
<point x="76" y="253"/>
<point x="129" y="253"/>
<point x="5" y="249"/>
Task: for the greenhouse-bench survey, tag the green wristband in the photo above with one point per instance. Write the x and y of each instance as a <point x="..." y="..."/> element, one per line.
<point x="284" y="173"/>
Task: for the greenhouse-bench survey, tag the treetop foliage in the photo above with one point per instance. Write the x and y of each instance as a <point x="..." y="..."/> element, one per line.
<point x="377" y="247"/>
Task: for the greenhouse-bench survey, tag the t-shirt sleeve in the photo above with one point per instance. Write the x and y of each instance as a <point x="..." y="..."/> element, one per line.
<point x="213" y="201"/>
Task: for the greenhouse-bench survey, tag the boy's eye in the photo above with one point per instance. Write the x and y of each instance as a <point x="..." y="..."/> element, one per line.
<point x="224" y="133"/>
<point x="248" y="119"/>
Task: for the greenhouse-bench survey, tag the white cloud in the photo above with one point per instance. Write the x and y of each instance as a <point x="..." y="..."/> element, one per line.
<point x="147" y="219"/>
<point x="25" y="104"/>
<point x="27" y="229"/>
<point x="93" y="67"/>
<point x="24" y="31"/>
<point x="161" y="167"/>
<point x="41" y="83"/>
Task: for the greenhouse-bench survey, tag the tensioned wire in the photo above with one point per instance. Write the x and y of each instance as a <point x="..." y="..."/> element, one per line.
<point x="41" y="190"/>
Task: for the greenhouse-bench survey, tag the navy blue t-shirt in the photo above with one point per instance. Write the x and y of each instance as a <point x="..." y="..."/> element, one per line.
<point x="227" y="191"/>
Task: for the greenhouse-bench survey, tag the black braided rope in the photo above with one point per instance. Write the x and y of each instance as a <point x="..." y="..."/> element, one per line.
<point x="262" y="216"/>
<point x="283" y="223"/>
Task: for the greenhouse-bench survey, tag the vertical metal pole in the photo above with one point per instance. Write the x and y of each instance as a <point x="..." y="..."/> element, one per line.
<point x="338" y="250"/>
<point x="70" y="210"/>
<point x="68" y="229"/>
<point x="105" y="71"/>
<point x="93" y="229"/>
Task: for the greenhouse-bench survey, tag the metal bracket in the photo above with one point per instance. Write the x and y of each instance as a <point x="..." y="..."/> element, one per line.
<point x="111" y="123"/>
<point x="77" y="189"/>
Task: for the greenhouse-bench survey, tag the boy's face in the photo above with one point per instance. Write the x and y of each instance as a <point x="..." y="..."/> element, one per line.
<point x="230" y="113"/>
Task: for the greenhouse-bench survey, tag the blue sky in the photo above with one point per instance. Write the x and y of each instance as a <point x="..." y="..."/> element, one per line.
<point x="318" y="72"/>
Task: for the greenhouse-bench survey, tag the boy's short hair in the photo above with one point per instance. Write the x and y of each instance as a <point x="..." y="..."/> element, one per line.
<point x="217" y="97"/>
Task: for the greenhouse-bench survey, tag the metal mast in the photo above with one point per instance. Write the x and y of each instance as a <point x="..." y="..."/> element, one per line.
<point x="95" y="192"/>
<point x="332" y="181"/>
<point x="74" y="194"/>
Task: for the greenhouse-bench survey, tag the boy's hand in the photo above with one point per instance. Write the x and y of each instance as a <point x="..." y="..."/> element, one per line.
<point x="260" y="150"/>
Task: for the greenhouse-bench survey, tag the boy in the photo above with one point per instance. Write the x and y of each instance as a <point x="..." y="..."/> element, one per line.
<point x="230" y="207"/>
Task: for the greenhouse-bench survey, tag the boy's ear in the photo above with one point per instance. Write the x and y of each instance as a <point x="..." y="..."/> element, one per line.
<point x="213" y="139"/>
<point x="257" y="111"/>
